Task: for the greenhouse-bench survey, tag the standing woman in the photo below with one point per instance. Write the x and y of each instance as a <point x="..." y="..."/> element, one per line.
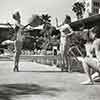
<point x="34" y="21"/>
<point x="66" y="31"/>
<point x="19" y="39"/>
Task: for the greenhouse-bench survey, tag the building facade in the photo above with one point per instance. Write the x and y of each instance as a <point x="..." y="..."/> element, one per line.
<point x="92" y="7"/>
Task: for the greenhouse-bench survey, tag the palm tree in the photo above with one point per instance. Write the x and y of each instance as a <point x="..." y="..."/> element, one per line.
<point x="46" y="29"/>
<point x="79" y="9"/>
<point x="46" y="18"/>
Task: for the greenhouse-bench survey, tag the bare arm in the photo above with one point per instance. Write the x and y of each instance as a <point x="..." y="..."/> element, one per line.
<point x="96" y="46"/>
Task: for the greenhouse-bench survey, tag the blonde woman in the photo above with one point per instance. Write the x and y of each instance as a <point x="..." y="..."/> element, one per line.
<point x="66" y="31"/>
<point x="34" y="22"/>
<point x="19" y="39"/>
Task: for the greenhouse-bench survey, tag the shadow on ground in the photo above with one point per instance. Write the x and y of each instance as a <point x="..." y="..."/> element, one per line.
<point x="41" y="71"/>
<point x="38" y="71"/>
<point x="8" y="91"/>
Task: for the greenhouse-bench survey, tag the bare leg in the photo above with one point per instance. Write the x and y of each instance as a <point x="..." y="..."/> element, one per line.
<point x="16" y="61"/>
<point x="62" y="62"/>
<point x="96" y="76"/>
<point x="67" y="62"/>
<point x="18" y="48"/>
<point x="87" y="69"/>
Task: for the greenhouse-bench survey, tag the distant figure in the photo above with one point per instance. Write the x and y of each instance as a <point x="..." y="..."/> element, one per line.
<point x="66" y="31"/>
<point x="19" y="39"/>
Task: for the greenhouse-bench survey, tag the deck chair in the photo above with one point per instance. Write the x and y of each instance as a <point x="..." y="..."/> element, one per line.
<point x="73" y="56"/>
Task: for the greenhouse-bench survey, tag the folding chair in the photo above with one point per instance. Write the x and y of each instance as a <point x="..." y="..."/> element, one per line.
<point x="74" y="55"/>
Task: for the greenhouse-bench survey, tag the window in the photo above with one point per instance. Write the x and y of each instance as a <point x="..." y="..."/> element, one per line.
<point x="97" y="11"/>
<point x="94" y="3"/>
<point x="97" y="4"/>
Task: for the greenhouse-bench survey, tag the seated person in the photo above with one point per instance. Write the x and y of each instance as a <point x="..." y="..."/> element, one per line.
<point x="91" y="62"/>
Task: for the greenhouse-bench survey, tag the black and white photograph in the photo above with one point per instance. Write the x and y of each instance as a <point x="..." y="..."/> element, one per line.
<point x="49" y="49"/>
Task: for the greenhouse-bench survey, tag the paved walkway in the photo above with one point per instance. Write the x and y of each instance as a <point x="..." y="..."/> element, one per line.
<point x="42" y="82"/>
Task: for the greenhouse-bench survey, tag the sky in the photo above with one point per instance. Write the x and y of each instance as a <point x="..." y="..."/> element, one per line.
<point x="55" y="8"/>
